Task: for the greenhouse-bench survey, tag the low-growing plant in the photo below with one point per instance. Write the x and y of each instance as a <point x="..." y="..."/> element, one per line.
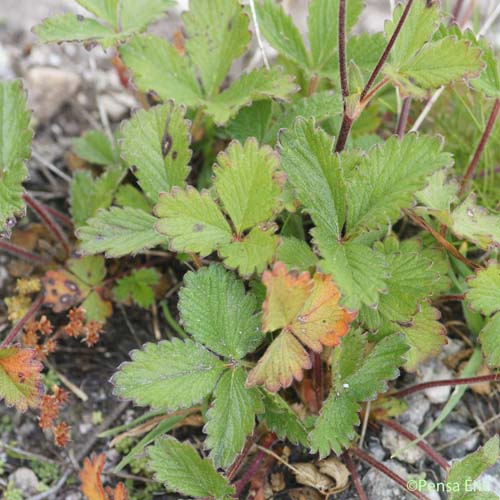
<point x="321" y="231"/>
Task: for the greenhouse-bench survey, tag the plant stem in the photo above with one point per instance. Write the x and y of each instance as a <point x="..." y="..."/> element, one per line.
<point x="344" y="133"/>
<point x="48" y="221"/>
<point x="342" y="53"/>
<point x="171" y="321"/>
<point x="21" y="253"/>
<point x="233" y="470"/>
<point x="403" y="117"/>
<point x="35" y="306"/>
<point x="318" y="379"/>
<point x="456" y="10"/>
<point x="385" y="54"/>
<point x="480" y="148"/>
<point x="64" y="219"/>
<point x="445" y="383"/>
<point x="313" y="85"/>
<point x="355" y="477"/>
<point x="433" y="454"/>
<point x="440" y="239"/>
<point x="388" y="472"/>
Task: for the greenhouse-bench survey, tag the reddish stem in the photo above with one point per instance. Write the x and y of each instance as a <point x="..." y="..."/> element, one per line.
<point x="344" y="133"/>
<point x="403" y="117"/>
<point x="451" y="298"/>
<point x="456" y="11"/>
<point x="21" y="253"/>
<point x="388" y="472"/>
<point x="342" y="53"/>
<point x="385" y="54"/>
<point x="318" y="379"/>
<point x="444" y="383"/>
<point x="480" y="147"/>
<point x="233" y="470"/>
<point x="313" y="85"/>
<point x="48" y="221"/>
<point x="62" y="218"/>
<point x="433" y="454"/>
<point x="35" y="306"/>
<point x="355" y="477"/>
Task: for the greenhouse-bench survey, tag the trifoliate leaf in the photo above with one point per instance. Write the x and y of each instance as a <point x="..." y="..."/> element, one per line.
<point x="296" y="254"/>
<point x="15" y="149"/>
<point x="334" y="427"/>
<point x="217" y="34"/>
<point x="438" y="63"/>
<point x="156" y="144"/>
<point x="128" y="196"/>
<point x="484" y="292"/>
<point x="489" y="337"/>
<point x="138" y="285"/>
<point x="386" y="179"/>
<point x="253" y="252"/>
<point x="420" y="25"/>
<point x="232" y="417"/>
<point x="89" y="194"/>
<point x="136" y="16"/>
<point x="20" y="377"/>
<point x="76" y="28"/>
<point x="280" y="31"/>
<point x="246" y="180"/>
<point x="476" y="224"/>
<point x="467" y="470"/>
<point x="169" y="375"/>
<point x="192" y="220"/>
<point x="359" y="271"/>
<point x="305" y="309"/>
<point x="158" y="67"/>
<point x="119" y="231"/>
<point x="258" y="84"/>
<point x="95" y="147"/>
<point x="315" y="173"/>
<point x="217" y="312"/>
<point x="323" y="28"/>
<point x="180" y="467"/>
<point x="425" y="336"/>
<point x="282" y="420"/>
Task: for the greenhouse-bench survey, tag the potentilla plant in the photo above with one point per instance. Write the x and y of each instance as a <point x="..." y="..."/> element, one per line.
<point x="320" y="230"/>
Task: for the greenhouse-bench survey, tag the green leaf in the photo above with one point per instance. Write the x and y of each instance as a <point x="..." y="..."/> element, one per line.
<point x="258" y="84"/>
<point x="217" y="312"/>
<point x="105" y="9"/>
<point x="96" y="307"/>
<point x="476" y="224"/>
<point x="253" y="252"/>
<point x="488" y="81"/>
<point x="119" y="231"/>
<point x="136" y="16"/>
<point x="282" y="420"/>
<point x="489" y="337"/>
<point x="387" y="178"/>
<point x="91" y="270"/>
<point x="246" y="183"/>
<point x="15" y="149"/>
<point x="323" y="27"/>
<point x="420" y="25"/>
<point x="139" y="286"/>
<point x="484" y="292"/>
<point x="439" y="63"/>
<point x="95" y="147"/>
<point x="217" y="34"/>
<point x="467" y="470"/>
<point x="334" y="427"/>
<point x="156" y="143"/>
<point x="180" y="467"/>
<point x="232" y="417"/>
<point x="76" y="28"/>
<point x="192" y="220"/>
<point x="296" y="254"/>
<point x="348" y="357"/>
<point x="280" y="31"/>
<point x="168" y="375"/>
<point x="158" y="67"/>
<point x="425" y="336"/>
<point x="359" y="272"/>
<point x="315" y="173"/>
<point x="127" y="196"/>
<point x="251" y="121"/>
<point x="89" y="194"/>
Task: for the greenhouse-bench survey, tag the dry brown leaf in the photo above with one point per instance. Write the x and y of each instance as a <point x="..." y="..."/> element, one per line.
<point x="304" y="494"/>
<point x="309" y="475"/>
<point x="484" y="388"/>
<point x="278" y="481"/>
<point x="336" y="470"/>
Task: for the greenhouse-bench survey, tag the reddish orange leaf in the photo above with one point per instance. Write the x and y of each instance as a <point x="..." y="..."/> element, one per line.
<point x="92" y="488"/>
<point x="62" y="290"/>
<point x="20" y="378"/>
<point x="305" y="309"/>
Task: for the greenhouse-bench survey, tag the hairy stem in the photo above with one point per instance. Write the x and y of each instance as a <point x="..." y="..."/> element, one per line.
<point x="388" y="472"/>
<point x="21" y="253"/>
<point x="344" y="133"/>
<point x="30" y="313"/>
<point x="355" y="477"/>
<point x="403" y="117"/>
<point x="385" y="54"/>
<point x="471" y="169"/>
<point x="446" y="383"/>
<point x="433" y="454"/>
<point x="62" y="218"/>
<point x="342" y="53"/>
<point x="48" y="221"/>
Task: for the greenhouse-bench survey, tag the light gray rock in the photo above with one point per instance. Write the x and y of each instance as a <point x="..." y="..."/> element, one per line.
<point x="25" y="480"/>
<point x="418" y="406"/>
<point x="396" y="443"/>
<point x="379" y="487"/>
<point x="451" y="431"/>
